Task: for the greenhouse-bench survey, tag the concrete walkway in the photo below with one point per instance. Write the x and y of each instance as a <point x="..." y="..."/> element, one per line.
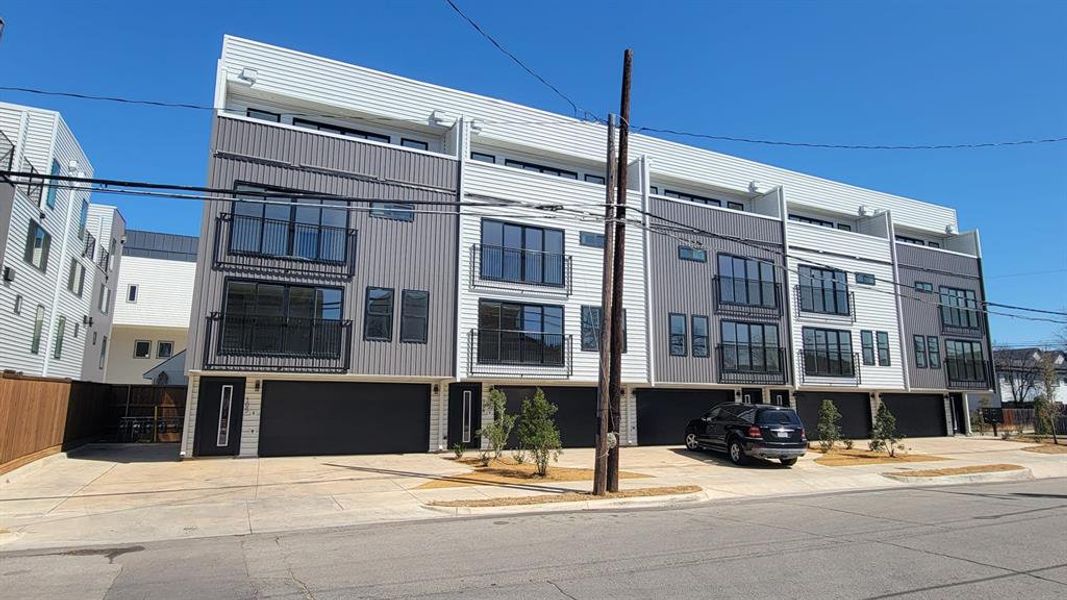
<point x="110" y="494"/>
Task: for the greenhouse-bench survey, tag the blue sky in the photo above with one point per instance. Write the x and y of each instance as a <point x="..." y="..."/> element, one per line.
<point x="906" y="72"/>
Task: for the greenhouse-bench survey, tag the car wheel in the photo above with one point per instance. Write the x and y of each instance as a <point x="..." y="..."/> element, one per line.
<point x="789" y="461"/>
<point x="691" y="442"/>
<point x="737" y="452"/>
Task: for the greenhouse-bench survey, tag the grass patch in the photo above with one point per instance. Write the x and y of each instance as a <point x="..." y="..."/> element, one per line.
<point x="507" y="471"/>
<point x="857" y="457"/>
<point x="567" y="497"/>
<point x="1048" y="448"/>
<point x="969" y="470"/>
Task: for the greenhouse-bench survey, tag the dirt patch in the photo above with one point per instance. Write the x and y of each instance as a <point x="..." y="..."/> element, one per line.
<point x="568" y="497"/>
<point x="856" y="457"/>
<point x="507" y="471"/>
<point x="1047" y="449"/>
<point x="969" y="470"/>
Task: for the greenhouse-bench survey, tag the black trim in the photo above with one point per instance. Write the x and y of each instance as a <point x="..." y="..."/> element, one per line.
<point x="263" y="115"/>
<point x="416" y="144"/>
<point x="673" y="337"/>
<point x="418" y="336"/>
<point x="388" y="324"/>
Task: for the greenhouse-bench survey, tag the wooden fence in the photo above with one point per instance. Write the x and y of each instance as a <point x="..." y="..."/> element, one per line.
<point x="146" y="413"/>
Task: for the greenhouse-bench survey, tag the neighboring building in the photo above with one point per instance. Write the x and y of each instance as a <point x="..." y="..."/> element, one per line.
<point x="1020" y="375"/>
<point x="152" y="307"/>
<point x="378" y="325"/>
<point x="59" y="253"/>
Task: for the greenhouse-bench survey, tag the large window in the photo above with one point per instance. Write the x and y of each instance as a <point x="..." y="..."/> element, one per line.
<point x="883" y="348"/>
<point x="378" y="314"/>
<point x="965" y="361"/>
<point x="592" y="322"/>
<point x="38" y="245"/>
<point x="414" y="316"/>
<point x="747" y="281"/>
<point x="292" y="227"/>
<point x="750" y="348"/>
<point x="959" y="308"/>
<point x="522" y="254"/>
<point x="933" y="347"/>
<point x="522" y="334"/>
<point x="700" y="336"/>
<point x="678" y="334"/>
<point x="823" y="291"/>
<point x="919" y="346"/>
<point x="828" y="353"/>
<point x="273" y="319"/>
<point x="867" y="347"/>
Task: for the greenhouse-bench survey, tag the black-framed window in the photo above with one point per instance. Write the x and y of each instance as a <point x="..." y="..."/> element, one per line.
<point x="522" y="334"/>
<point x="933" y="350"/>
<point x="38" y="328"/>
<point x="414" y="316"/>
<point x="61" y="329"/>
<point x="599" y="179"/>
<point x="76" y="277"/>
<point x="910" y="240"/>
<point x="844" y="227"/>
<point x="882" y="339"/>
<point x="53" y="185"/>
<point x="263" y="115"/>
<point x="933" y="244"/>
<point x="142" y="349"/>
<point x="823" y="291"/>
<point x="522" y="253"/>
<point x="483" y="157"/>
<point x="865" y="279"/>
<point x="38" y="246"/>
<point x="699" y="336"/>
<point x="867" y="347"/>
<point x="811" y="221"/>
<point x="164" y="349"/>
<point x="378" y="314"/>
<point x="267" y="223"/>
<point x="416" y="144"/>
<point x="263" y="318"/>
<point x="692" y="254"/>
<point x="828" y="353"/>
<point x="397" y="211"/>
<point x="592" y="322"/>
<point x="750" y="348"/>
<point x="590" y="239"/>
<point x="965" y="361"/>
<point x="692" y="197"/>
<point x="918" y="343"/>
<point x="83" y="219"/>
<point x="678" y="334"/>
<point x="735" y="206"/>
<point x="924" y="287"/>
<point x="536" y="168"/>
<point x="345" y="131"/>
<point x="959" y="308"/>
<point x="747" y="281"/>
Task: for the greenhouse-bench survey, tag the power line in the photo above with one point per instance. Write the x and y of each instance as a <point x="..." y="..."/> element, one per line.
<point x="1036" y="310"/>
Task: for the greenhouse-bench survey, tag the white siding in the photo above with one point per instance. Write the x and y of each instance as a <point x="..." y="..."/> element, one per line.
<point x="164" y="292"/>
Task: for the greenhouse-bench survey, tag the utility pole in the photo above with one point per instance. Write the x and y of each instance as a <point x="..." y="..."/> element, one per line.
<point x="603" y="411"/>
<point x="619" y="260"/>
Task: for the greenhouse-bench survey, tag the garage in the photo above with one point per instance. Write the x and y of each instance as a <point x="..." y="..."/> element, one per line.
<point x="855" y="409"/>
<point x="575" y="417"/>
<point x="918" y="415"/>
<point x="662" y="414"/>
<point x="302" y="418"/>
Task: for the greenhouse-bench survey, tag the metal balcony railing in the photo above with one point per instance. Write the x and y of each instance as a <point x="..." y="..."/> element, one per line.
<point x="800" y="291"/>
<point x="266" y="343"/>
<point x="747" y="297"/>
<point x="89" y="250"/>
<point x="501" y="267"/>
<point x="513" y="353"/>
<point x="968" y="374"/>
<point x="849" y="376"/>
<point x="34" y="185"/>
<point x="245" y="243"/>
<point x="768" y="369"/>
<point x="7" y="152"/>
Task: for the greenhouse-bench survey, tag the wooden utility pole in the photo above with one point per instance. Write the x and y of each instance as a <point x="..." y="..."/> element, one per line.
<point x="615" y="383"/>
<point x="600" y="470"/>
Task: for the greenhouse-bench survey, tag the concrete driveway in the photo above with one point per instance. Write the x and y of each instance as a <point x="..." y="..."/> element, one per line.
<point x="106" y="494"/>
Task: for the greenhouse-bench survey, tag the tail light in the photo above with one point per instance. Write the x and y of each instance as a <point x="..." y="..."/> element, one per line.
<point x="802" y="436"/>
<point x="754" y="432"/>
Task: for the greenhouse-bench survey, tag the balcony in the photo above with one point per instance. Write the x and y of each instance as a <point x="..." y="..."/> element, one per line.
<point x="838" y="306"/>
<point x="89" y="250"/>
<point x="770" y="370"/>
<point x="244" y="243"/>
<point x="507" y="268"/>
<point x="509" y="353"/>
<point x="968" y="374"/>
<point x="844" y="375"/>
<point x="739" y="297"/>
<point x="243" y="342"/>
<point x="34" y="186"/>
<point x="7" y="152"/>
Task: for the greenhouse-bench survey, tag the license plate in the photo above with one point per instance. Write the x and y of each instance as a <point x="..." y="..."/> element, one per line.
<point x="782" y="434"/>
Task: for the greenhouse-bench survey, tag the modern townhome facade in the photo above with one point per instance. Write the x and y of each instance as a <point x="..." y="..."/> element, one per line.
<point x="154" y="296"/>
<point x="60" y="253"/>
<point x="397" y="249"/>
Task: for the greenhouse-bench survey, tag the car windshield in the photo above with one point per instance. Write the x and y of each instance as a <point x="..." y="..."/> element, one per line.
<point x="778" y="417"/>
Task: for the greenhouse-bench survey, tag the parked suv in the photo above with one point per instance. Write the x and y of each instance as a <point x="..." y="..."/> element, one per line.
<point x="749" y="430"/>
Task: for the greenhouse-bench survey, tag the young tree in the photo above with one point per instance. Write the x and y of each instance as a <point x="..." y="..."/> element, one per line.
<point x="1045" y="413"/>
<point x="829" y="425"/>
<point x="978" y="417"/>
<point x="538" y="432"/>
<point x="1021" y="371"/>
<point x="884" y="437"/>
<point x="497" y="431"/>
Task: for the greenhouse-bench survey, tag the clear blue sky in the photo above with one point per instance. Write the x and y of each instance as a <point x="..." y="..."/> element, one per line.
<point x="906" y="72"/>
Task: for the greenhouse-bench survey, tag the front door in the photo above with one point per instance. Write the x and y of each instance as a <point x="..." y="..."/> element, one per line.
<point x="751" y="395"/>
<point x="959" y="412"/>
<point x="219" y="412"/>
<point x="464" y="414"/>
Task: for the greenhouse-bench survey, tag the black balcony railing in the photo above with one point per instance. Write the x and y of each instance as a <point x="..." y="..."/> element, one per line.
<point x="755" y="365"/>
<point x="519" y="353"/>
<point x="7" y="152"/>
<point x="268" y="343"/>
<point x="34" y="184"/>
<point x="836" y="373"/>
<point x="89" y="250"/>
<point x="747" y="297"/>
<point x="255" y="243"/>
<point x="501" y="267"/>
<point x="968" y="374"/>
<point x="837" y="305"/>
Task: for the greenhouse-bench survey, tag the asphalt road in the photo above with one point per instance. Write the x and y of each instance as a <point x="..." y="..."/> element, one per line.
<point x="981" y="541"/>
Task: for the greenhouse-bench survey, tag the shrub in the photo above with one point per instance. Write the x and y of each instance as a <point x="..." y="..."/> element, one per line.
<point x="519" y="456"/>
<point x="884" y="436"/>
<point x="848" y="443"/>
<point x="497" y="431"/>
<point x="458" y="448"/>
<point x="537" y="431"/>
<point x="829" y="430"/>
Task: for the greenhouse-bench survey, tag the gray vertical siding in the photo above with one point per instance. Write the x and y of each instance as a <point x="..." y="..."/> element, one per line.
<point x="680" y="286"/>
<point x="418" y="255"/>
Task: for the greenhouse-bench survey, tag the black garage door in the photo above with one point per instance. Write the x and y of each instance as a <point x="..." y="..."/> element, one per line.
<point x="300" y="418"/>
<point x="855" y="409"/>
<point x="918" y="415"/>
<point x="662" y="414"/>
<point x="576" y="417"/>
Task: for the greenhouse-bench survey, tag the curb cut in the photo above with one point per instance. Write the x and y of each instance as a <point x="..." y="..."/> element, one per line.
<point x="585" y="505"/>
<point x="1023" y="474"/>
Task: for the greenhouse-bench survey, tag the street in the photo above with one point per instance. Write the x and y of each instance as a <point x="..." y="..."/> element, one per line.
<point x="977" y="541"/>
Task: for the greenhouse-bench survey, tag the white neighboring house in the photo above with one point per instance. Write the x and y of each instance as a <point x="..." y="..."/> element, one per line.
<point x="151" y="321"/>
<point x="1020" y="379"/>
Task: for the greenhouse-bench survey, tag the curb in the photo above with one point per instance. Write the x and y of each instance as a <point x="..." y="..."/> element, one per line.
<point x="585" y="505"/>
<point x="1023" y="474"/>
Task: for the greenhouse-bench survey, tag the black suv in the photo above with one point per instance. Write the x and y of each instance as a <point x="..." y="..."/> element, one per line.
<point x="749" y="430"/>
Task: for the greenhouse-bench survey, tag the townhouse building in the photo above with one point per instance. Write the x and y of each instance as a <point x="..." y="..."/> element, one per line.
<point x="60" y="253"/>
<point x="391" y="250"/>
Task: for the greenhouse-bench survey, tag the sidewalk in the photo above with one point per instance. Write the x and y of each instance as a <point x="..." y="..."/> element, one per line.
<point x="123" y="494"/>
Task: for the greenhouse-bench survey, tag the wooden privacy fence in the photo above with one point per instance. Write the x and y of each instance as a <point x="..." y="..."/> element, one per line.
<point x="146" y="413"/>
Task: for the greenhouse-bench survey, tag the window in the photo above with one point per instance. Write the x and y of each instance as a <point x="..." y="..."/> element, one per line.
<point x="17" y="308"/>
<point x="522" y="254"/>
<point x="105" y="298"/>
<point x="811" y="221"/>
<point x="38" y="244"/>
<point x="263" y="115"/>
<point x="111" y="256"/>
<point x="291" y="227"/>
<point x="592" y="322"/>
<point x="750" y="348"/>
<point x="883" y="348"/>
<point x="75" y="334"/>
<point x="919" y="346"/>
<point x="933" y="349"/>
<point x="103" y="353"/>
<point x="131" y="293"/>
<point x="61" y="328"/>
<point x="828" y="353"/>
<point x="38" y="328"/>
<point x="700" y="336"/>
<point x="653" y="190"/>
<point x="483" y="157"/>
<point x="398" y="211"/>
<point x="933" y="244"/>
<point x="83" y="219"/>
<point x="692" y="198"/>
<point x="142" y="349"/>
<point x="924" y="287"/>
<point x="417" y="144"/>
<point x="693" y="254"/>
<point x="595" y="178"/>
<point x="959" y="308"/>
<point x="844" y="227"/>
<point x="222" y="433"/>
<point x="964" y="361"/>
<point x="823" y="291"/>
<point x="867" y="347"/>
<point x="536" y="168"/>
<point x="76" y="277"/>
<point x="865" y="279"/>
<point x="747" y="281"/>
<point x="735" y="206"/>
<point x="521" y="334"/>
<point x="910" y="240"/>
<point x="164" y="349"/>
<point x="274" y="319"/>
<point x="591" y="240"/>
<point x="678" y="334"/>
<point x="345" y="131"/>
<point x="53" y="189"/>
<point x="414" y="316"/>
<point x="378" y="314"/>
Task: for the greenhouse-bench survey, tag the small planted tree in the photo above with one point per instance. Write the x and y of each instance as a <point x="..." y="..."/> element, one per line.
<point x="1045" y="413"/>
<point x="497" y="431"/>
<point x="537" y="431"/>
<point x="829" y="425"/>
<point x="979" y="415"/>
<point x="884" y="436"/>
